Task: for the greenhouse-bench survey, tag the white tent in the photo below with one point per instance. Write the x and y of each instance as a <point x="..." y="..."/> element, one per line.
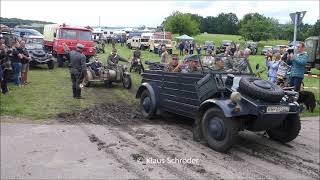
<point x="184" y="37"/>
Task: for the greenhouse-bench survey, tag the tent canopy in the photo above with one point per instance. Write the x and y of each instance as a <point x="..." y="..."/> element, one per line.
<point x="184" y="37"/>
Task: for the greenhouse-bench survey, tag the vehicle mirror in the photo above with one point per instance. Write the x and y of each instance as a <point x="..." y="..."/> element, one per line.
<point x="257" y="66"/>
<point x="54" y="34"/>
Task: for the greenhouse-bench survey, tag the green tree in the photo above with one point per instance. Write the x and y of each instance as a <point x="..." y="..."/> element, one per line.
<point x="257" y="27"/>
<point x="315" y="30"/>
<point x="182" y="23"/>
<point x="227" y="23"/>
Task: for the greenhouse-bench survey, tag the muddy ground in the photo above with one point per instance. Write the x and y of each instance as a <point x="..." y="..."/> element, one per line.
<point x="113" y="141"/>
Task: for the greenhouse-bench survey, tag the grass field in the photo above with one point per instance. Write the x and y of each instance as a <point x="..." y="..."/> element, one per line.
<point x="50" y="91"/>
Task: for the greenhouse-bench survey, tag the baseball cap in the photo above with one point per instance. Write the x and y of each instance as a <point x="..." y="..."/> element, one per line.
<point x="192" y="57"/>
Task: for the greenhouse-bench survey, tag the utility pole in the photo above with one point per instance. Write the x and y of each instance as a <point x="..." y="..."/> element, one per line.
<point x="99" y="21"/>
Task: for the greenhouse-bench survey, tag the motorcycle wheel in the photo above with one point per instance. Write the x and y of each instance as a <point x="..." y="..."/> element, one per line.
<point x="127" y="82"/>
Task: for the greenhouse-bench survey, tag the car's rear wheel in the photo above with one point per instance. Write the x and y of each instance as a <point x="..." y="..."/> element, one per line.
<point x="219" y="131"/>
<point x="288" y="130"/>
<point x="146" y="105"/>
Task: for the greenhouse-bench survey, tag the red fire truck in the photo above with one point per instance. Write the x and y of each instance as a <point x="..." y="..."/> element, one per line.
<point x="56" y="35"/>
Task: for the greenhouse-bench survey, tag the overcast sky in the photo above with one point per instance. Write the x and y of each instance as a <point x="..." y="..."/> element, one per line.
<point x="149" y="13"/>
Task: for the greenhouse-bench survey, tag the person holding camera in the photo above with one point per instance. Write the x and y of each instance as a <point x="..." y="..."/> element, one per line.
<point x="298" y="62"/>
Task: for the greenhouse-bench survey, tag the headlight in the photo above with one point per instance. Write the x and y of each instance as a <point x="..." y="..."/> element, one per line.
<point x="296" y="97"/>
<point x="235" y="97"/>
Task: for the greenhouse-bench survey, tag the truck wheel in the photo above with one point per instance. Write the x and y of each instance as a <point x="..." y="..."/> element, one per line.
<point x="288" y="130"/>
<point x="127" y="82"/>
<point x="146" y="105"/>
<point x="260" y="89"/>
<point x="50" y="64"/>
<point x="219" y="131"/>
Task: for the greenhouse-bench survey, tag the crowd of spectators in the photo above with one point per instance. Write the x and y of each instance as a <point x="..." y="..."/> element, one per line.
<point x="14" y="64"/>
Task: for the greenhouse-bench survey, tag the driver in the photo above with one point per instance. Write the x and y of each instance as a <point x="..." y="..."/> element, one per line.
<point x="192" y="64"/>
<point x="114" y="58"/>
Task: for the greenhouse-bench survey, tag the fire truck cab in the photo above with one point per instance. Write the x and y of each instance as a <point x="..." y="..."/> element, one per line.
<point x="56" y="35"/>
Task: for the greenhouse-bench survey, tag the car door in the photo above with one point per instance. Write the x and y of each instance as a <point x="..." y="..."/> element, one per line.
<point x="178" y="94"/>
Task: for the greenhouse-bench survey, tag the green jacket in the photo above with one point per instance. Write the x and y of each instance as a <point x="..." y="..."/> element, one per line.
<point x="298" y="63"/>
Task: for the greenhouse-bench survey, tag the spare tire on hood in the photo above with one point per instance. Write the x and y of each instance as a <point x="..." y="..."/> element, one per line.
<point x="260" y="89"/>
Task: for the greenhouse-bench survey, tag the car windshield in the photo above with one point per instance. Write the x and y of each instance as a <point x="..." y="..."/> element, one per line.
<point x="28" y="32"/>
<point x="34" y="41"/>
<point x="85" y="35"/>
<point x="34" y="46"/>
<point x="144" y="40"/>
<point x="68" y="34"/>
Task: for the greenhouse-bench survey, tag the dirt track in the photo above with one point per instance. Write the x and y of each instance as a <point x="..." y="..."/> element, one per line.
<point x="143" y="149"/>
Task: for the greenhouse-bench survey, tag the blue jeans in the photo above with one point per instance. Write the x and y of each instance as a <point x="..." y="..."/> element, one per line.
<point x="16" y="73"/>
<point x="296" y="82"/>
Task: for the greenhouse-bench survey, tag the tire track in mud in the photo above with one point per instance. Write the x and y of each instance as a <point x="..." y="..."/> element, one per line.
<point x="235" y="160"/>
<point x="277" y="157"/>
<point x="115" y="156"/>
<point x="288" y="160"/>
<point x="151" y="146"/>
<point x="119" y="121"/>
<point x="119" y="125"/>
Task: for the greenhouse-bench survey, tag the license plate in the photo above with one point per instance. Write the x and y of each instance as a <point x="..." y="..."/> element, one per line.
<point x="273" y="109"/>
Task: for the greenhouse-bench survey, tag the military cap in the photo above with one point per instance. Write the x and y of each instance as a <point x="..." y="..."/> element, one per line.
<point x="191" y="57"/>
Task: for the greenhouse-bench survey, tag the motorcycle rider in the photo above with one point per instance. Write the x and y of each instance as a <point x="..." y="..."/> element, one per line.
<point x="114" y="58"/>
<point x="136" y="61"/>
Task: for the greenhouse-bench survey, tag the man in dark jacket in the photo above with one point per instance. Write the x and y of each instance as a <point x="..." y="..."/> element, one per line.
<point x="78" y="68"/>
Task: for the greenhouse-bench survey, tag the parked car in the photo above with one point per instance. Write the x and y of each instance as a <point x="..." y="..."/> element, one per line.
<point x="224" y="45"/>
<point x="253" y="46"/>
<point x="266" y="49"/>
<point x="208" y="45"/>
<point x="279" y="48"/>
<point x="312" y="46"/>
<point x="293" y="44"/>
<point x="20" y="32"/>
<point x="138" y="43"/>
<point x="222" y="103"/>
<point x="35" y="48"/>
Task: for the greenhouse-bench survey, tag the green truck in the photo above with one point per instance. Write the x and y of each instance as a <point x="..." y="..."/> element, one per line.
<point x="312" y="46"/>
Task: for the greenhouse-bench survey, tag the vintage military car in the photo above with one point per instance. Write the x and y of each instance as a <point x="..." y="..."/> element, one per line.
<point x="222" y="102"/>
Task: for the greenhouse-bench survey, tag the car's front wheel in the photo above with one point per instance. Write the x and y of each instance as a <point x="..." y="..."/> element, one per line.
<point x="146" y="105"/>
<point x="219" y="131"/>
<point x="287" y="131"/>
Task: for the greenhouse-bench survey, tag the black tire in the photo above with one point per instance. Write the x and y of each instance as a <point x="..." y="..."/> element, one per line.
<point x="155" y="50"/>
<point x="288" y="131"/>
<point x="127" y="82"/>
<point x="146" y="105"/>
<point x="220" y="139"/>
<point x="260" y="89"/>
<point x="50" y="65"/>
